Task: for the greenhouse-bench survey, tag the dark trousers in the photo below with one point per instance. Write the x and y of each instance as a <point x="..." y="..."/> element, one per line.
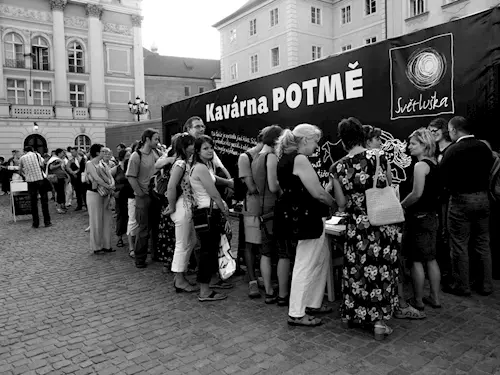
<point x="60" y="191"/>
<point x="443" y="255"/>
<point x="209" y="249"/>
<point x="35" y="188"/>
<point x="468" y="225"/>
<point x="79" y="190"/>
<point x="143" y="209"/>
<point x="5" y="180"/>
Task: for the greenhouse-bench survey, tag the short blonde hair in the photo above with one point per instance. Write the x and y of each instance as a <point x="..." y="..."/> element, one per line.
<point x="425" y="138"/>
<point x="290" y="139"/>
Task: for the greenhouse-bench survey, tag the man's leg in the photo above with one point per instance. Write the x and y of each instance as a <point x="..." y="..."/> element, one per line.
<point x="44" y="198"/>
<point x="142" y="216"/>
<point x="480" y="242"/>
<point x="77" y="187"/>
<point x="459" y="228"/>
<point x="33" y="190"/>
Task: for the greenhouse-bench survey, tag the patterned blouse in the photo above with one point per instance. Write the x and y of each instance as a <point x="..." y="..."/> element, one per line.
<point x="187" y="192"/>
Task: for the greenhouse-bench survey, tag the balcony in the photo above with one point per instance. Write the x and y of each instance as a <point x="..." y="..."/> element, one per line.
<point x="11" y="63"/>
<point x="80" y="113"/>
<point x="31" y="111"/>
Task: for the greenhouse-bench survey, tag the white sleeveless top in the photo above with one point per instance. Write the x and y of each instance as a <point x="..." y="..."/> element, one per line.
<point x="201" y="197"/>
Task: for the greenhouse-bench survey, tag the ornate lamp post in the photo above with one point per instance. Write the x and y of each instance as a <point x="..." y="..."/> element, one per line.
<point x="139" y="107"/>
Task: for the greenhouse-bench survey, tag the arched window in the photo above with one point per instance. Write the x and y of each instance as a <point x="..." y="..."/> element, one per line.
<point x="14" y="51"/>
<point x="75" y="58"/>
<point x="40" y="53"/>
<point x="83" y="141"/>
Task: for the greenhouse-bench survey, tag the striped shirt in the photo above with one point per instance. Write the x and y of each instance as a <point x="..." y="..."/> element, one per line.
<point x="31" y="166"/>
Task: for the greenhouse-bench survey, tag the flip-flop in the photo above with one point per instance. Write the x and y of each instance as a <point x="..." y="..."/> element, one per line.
<point x="430" y="302"/>
<point x="306" y="321"/>
<point x="214" y="296"/>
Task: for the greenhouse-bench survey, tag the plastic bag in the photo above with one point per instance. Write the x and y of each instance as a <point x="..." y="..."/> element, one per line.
<point x="227" y="261"/>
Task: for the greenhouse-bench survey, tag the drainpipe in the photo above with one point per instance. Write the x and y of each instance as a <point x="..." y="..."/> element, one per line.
<point x="386" y="36"/>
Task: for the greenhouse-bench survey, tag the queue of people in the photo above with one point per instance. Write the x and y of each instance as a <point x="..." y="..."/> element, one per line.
<point x="170" y="204"/>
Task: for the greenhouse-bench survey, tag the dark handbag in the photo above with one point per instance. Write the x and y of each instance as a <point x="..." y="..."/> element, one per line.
<point x="202" y="218"/>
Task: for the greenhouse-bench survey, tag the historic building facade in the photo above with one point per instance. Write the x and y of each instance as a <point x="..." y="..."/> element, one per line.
<point x="69" y="68"/>
<point x="268" y="36"/>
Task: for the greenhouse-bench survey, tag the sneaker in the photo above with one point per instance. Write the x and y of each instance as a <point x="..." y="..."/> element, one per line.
<point x="253" y="290"/>
<point x="408" y="312"/>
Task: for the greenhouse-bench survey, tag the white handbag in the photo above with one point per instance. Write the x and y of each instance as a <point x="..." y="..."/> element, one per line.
<point x="382" y="204"/>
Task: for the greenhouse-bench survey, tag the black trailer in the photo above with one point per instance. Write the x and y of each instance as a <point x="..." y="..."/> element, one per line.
<point x="399" y="85"/>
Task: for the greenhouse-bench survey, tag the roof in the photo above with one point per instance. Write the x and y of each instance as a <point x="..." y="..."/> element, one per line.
<point x="184" y="67"/>
<point x="246" y="7"/>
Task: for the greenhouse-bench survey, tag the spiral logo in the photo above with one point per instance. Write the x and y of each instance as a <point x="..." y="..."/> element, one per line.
<point x="426" y="68"/>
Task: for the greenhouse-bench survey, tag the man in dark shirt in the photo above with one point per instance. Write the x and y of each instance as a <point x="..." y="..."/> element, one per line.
<point x="465" y="169"/>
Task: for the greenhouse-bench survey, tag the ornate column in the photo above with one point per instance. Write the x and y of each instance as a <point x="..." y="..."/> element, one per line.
<point x="138" y="57"/>
<point x="4" y="106"/>
<point x="98" y="109"/>
<point x="63" y="107"/>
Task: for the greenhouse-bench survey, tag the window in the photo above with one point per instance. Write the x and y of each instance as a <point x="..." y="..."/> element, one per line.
<point x="187" y="91"/>
<point x="370" y="7"/>
<point x="371" y="40"/>
<point x="14" y="54"/>
<point x="16" y="91"/>
<point x="253" y="27"/>
<point x="275" y="57"/>
<point x="346" y="15"/>
<point x="254" y="64"/>
<point x="201" y="90"/>
<point x="40" y="53"/>
<point x="316" y="52"/>
<point x="75" y="58"/>
<point x="346" y="47"/>
<point x="274" y="17"/>
<point x="83" y="141"/>
<point x="41" y="92"/>
<point x="316" y="15"/>
<point x="232" y="36"/>
<point x="234" y="72"/>
<point x="77" y="94"/>
<point x="417" y="7"/>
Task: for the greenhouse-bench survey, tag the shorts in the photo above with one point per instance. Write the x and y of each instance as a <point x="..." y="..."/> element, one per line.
<point x="132" y="225"/>
<point x="253" y="233"/>
<point x="420" y="237"/>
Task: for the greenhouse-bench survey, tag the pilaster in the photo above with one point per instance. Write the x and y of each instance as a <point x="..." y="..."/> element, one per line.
<point x="97" y="103"/>
<point x="138" y="56"/>
<point x="292" y="38"/>
<point x="63" y="107"/>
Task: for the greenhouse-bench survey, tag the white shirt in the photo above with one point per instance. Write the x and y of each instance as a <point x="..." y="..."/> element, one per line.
<point x="465" y="136"/>
<point x="201" y="197"/>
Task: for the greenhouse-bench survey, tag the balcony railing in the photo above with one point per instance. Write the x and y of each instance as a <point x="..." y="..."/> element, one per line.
<point x="11" y="63"/>
<point x="31" y="111"/>
<point x="80" y="113"/>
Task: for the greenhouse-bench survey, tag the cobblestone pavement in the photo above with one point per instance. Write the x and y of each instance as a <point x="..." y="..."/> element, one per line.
<point x="64" y="310"/>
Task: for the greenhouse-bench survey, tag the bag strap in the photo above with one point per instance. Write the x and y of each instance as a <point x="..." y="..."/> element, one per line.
<point x="375" y="178"/>
<point x="265" y="185"/>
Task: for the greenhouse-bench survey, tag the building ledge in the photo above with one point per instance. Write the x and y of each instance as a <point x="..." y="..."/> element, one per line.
<point x="418" y="16"/>
<point x="32" y="111"/>
<point x="449" y="5"/>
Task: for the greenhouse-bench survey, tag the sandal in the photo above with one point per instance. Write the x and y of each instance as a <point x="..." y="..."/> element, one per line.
<point x="408" y="312"/>
<point x="271" y="298"/>
<point x="221" y="284"/>
<point x="431" y="303"/>
<point x="120" y="243"/>
<point x="214" y="296"/>
<point x="413" y="303"/>
<point x="306" y="321"/>
<point x="187" y="289"/>
<point x="381" y="331"/>
<point x="283" y="301"/>
<point x="324" y="309"/>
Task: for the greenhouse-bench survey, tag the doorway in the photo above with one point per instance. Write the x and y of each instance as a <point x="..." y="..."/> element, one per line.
<point x="38" y="143"/>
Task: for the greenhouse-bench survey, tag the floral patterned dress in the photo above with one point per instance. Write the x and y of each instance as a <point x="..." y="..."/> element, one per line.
<point x="371" y="265"/>
<point x="166" y="231"/>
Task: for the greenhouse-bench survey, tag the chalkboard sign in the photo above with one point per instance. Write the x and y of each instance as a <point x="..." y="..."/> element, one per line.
<point x="22" y="203"/>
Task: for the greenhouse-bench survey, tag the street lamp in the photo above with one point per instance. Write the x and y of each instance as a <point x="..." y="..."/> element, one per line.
<point x="139" y="107"/>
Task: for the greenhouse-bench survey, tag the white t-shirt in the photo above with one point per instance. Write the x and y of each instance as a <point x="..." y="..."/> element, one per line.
<point x="217" y="162"/>
<point x="201" y="197"/>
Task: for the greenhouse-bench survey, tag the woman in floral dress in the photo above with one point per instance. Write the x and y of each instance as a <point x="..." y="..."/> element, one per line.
<point x="371" y="269"/>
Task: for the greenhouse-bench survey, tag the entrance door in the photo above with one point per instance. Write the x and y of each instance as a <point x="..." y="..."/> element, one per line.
<point x="38" y="143"/>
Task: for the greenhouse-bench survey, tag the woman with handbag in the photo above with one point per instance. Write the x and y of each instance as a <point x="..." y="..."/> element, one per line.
<point x="122" y="192"/>
<point x="98" y="201"/>
<point x="264" y="175"/>
<point x="57" y="175"/>
<point x="210" y="216"/>
<point x="421" y="226"/>
<point x="300" y="215"/>
<point x="371" y="268"/>
<point x="180" y="202"/>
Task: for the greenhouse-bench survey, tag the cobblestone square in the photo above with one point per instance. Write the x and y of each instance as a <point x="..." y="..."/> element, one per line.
<point x="64" y="310"/>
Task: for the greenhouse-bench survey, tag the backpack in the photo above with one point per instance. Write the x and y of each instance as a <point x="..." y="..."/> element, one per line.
<point x="494" y="187"/>
<point x="240" y="188"/>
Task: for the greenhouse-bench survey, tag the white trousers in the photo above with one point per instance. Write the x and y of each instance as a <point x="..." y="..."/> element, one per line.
<point x="100" y="219"/>
<point x="132" y="225"/>
<point x="309" y="275"/>
<point x="185" y="236"/>
<point x="68" y="190"/>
